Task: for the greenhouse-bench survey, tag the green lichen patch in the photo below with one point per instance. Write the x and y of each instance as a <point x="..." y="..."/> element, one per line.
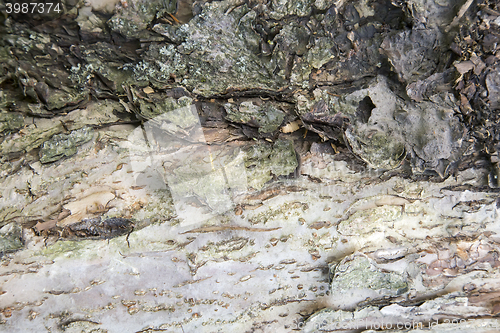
<point x="57" y="99"/>
<point x="219" y="51"/>
<point x="159" y="209"/>
<point x="85" y="249"/>
<point x="381" y="150"/>
<point x="266" y="117"/>
<point x="33" y="139"/>
<point x="103" y="66"/>
<point x="183" y="117"/>
<point x="133" y="19"/>
<point x="318" y="54"/>
<point x="324" y="318"/>
<point x="10" y="121"/>
<point x="263" y="161"/>
<point x="10" y="238"/>
<point x="283" y="158"/>
<point x="35" y="62"/>
<point x="64" y="145"/>
<point x="358" y="272"/>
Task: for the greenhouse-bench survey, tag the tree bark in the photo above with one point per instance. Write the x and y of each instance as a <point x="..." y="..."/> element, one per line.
<point x="225" y="166"/>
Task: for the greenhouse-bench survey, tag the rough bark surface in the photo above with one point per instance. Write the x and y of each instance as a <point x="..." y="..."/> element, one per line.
<point x="250" y="166"/>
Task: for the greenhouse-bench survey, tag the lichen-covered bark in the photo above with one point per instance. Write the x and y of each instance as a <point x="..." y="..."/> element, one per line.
<point x="265" y="166"/>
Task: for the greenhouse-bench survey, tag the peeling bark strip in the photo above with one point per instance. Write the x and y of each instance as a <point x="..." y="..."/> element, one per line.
<point x="361" y="137"/>
<point x="229" y="227"/>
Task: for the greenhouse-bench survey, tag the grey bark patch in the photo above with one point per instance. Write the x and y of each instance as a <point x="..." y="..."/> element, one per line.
<point x="64" y="145"/>
<point x="493" y="85"/>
